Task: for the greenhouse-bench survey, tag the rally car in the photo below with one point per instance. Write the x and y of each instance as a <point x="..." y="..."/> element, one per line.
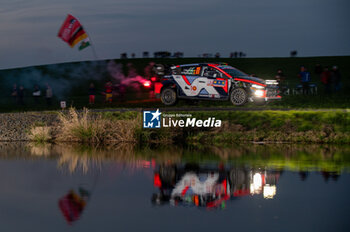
<point x="210" y="186"/>
<point x="209" y="81"/>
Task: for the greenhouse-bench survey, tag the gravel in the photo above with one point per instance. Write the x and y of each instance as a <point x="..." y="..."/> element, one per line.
<point x="15" y="126"/>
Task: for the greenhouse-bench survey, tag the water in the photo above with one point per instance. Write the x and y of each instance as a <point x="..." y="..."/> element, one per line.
<point x="246" y="188"/>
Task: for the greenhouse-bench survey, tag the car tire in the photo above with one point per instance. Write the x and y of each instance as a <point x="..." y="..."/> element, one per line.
<point x="167" y="174"/>
<point x="238" y="96"/>
<point x="168" y="97"/>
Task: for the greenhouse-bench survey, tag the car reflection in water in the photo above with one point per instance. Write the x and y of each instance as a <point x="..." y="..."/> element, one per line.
<point x="208" y="187"/>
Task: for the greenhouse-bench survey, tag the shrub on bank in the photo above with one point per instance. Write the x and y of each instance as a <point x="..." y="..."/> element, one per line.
<point x="86" y="127"/>
<point x="40" y="134"/>
<point x="92" y="128"/>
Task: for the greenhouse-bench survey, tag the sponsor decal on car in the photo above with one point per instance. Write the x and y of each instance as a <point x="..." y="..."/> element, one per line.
<point x="218" y="83"/>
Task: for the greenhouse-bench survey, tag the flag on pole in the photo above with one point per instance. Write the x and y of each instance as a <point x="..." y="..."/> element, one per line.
<point x="71" y="31"/>
<point x="85" y="43"/>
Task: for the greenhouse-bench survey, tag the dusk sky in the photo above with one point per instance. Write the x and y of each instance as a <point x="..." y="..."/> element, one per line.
<point x="260" y="28"/>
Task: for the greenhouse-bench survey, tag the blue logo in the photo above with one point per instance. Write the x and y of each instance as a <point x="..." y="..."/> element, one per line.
<point x="151" y="119"/>
<point x="219" y="83"/>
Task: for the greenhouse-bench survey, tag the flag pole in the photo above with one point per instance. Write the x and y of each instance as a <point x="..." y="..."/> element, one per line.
<point x="92" y="44"/>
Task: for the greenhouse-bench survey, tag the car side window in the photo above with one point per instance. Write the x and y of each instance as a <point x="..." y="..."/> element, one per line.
<point x="211" y="72"/>
<point x="217" y="74"/>
<point x="191" y="70"/>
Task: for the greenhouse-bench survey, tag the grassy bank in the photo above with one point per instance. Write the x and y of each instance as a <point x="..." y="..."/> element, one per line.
<point x="237" y="127"/>
<point x="277" y="126"/>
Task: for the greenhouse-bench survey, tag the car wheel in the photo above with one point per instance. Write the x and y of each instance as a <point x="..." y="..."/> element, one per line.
<point x="167" y="174"/>
<point x="238" y="96"/>
<point x="168" y="96"/>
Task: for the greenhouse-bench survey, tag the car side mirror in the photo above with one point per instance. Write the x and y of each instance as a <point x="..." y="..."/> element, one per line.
<point x="177" y="71"/>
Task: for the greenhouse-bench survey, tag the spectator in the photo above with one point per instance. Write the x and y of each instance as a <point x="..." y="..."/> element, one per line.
<point x="36" y="94"/>
<point x="92" y="94"/>
<point x="21" y="95"/>
<point x="336" y="78"/>
<point x="49" y="95"/>
<point x="14" y="93"/>
<point x="325" y="79"/>
<point x="305" y="78"/>
<point x="280" y="77"/>
<point x="109" y="92"/>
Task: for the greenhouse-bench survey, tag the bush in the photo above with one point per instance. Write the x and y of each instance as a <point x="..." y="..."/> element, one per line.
<point x="92" y="128"/>
<point x="40" y="134"/>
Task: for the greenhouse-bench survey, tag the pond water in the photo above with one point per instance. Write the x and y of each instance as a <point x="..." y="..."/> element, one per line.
<point x="244" y="188"/>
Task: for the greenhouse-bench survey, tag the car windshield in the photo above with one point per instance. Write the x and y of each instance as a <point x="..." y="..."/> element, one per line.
<point x="235" y="72"/>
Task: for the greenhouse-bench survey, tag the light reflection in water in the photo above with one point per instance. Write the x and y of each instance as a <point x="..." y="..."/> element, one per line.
<point x="205" y="178"/>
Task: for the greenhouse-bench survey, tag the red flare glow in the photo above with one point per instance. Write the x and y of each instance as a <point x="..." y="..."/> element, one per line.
<point x="147" y="84"/>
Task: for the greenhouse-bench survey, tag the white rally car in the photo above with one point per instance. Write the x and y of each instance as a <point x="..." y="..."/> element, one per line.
<point x="210" y="81"/>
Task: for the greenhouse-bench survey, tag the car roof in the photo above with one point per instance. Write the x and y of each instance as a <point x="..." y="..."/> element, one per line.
<point x="203" y="64"/>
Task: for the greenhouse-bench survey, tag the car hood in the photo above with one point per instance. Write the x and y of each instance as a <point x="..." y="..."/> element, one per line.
<point x="256" y="79"/>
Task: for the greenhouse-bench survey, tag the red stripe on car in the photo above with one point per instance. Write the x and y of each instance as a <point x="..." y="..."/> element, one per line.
<point x="186" y="80"/>
<point x="228" y="75"/>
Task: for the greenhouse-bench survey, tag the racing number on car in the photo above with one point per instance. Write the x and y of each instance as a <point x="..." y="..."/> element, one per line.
<point x="198" y="69"/>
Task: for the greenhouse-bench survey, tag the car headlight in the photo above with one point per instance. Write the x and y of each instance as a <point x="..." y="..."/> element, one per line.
<point x="259" y="93"/>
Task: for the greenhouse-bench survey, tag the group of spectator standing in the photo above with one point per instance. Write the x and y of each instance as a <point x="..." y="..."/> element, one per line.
<point x="108" y="93"/>
<point x="19" y="93"/>
<point x="330" y="78"/>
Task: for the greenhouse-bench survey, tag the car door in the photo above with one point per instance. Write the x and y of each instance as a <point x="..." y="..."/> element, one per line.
<point x="190" y="81"/>
<point x="214" y="82"/>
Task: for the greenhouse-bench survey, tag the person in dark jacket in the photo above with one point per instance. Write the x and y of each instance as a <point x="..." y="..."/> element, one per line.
<point x="280" y="77"/>
<point x="14" y="93"/>
<point x="326" y="80"/>
<point x="336" y="78"/>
